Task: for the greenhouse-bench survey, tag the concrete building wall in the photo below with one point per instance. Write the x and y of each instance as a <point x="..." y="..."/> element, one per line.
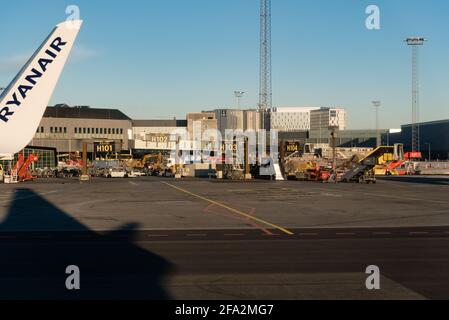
<point x="198" y="123"/>
<point x="233" y="119"/>
<point x="253" y="120"/>
<point x="68" y="135"/>
<point x="349" y="138"/>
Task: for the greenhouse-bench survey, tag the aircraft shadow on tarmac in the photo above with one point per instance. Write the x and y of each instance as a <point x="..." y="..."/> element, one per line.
<point x="35" y="254"/>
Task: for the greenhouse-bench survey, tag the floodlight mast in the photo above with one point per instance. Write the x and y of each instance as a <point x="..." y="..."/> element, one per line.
<point x="415" y="42"/>
<point x="377" y="105"/>
<point x="239" y="95"/>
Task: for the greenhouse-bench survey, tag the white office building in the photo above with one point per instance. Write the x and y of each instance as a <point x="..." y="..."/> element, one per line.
<point x="323" y="118"/>
<point x="290" y="119"/>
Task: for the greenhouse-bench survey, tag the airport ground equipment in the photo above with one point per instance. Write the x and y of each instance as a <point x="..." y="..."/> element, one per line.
<point x="363" y="170"/>
<point x="69" y="165"/>
<point x="310" y="171"/>
<point x="278" y="172"/>
<point x="22" y="167"/>
<point x="391" y="162"/>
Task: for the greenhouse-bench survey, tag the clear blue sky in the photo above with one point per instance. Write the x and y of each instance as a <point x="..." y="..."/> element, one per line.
<point x="164" y="58"/>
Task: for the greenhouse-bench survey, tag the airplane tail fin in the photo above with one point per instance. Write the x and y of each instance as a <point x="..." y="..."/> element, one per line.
<point x="23" y="102"/>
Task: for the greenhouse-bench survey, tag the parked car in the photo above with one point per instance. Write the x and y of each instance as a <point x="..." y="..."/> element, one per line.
<point x="115" y="173"/>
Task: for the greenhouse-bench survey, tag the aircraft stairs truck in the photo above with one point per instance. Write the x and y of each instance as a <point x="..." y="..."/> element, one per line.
<point x="364" y="170"/>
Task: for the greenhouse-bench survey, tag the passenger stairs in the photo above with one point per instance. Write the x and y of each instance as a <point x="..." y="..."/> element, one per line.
<point x="278" y="172"/>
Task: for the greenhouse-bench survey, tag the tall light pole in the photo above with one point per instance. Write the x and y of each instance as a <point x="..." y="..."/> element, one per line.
<point x="239" y="95"/>
<point x="333" y="130"/>
<point x="415" y="42"/>
<point x="377" y="105"/>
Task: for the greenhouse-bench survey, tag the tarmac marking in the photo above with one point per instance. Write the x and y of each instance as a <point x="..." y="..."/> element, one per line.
<point x="405" y="198"/>
<point x="133" y="183"/>
<point x="251" y="213"/>
<point x="230" y="209"/>
<point x="385" y="196"/>
<point x="28" y="197"/>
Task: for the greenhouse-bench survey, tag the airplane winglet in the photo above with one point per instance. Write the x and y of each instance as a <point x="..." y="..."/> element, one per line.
<point x="23" y="103"/>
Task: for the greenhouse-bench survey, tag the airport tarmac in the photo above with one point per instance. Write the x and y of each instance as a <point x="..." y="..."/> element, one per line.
<point x="168" y="204"/>
<point x="210" y="239"/>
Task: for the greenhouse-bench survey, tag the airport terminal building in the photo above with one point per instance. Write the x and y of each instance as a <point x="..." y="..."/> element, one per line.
<point x="434" y="138"/>
<point x="67" y="128"/>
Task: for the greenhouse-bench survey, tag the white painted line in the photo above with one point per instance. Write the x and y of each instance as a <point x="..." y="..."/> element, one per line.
<point x="133" y="183"/>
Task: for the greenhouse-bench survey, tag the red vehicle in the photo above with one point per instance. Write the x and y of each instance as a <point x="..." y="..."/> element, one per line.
<point x="22" y="167"/>
<point x="413" y="155"/>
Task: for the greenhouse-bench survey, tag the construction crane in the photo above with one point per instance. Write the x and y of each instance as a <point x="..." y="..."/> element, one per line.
<point x="265" y="94"/>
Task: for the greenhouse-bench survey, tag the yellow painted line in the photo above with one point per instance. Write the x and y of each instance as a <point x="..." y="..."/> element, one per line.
<point x="230" y="209"/>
